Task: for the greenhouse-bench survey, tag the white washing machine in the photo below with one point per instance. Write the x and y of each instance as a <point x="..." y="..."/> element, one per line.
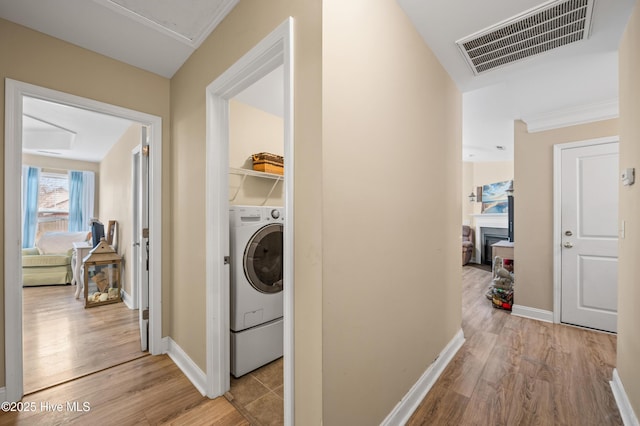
<point x="256" y="244"/>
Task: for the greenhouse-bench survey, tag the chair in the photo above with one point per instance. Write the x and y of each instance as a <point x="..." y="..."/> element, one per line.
<point x="468" y="243"/>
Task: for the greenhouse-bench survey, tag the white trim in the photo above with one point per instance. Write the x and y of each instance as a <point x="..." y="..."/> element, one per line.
<point x="557" y="216"/>
<point x="557" y="230"/>
<point x="288" y="243"/>
<point x="14" y="92"/>
<point x="128" y="300"/>
<point x="572" y="116"/>
<point x="274" y="50"/>
<point x="217" y="246"/>
<point x="629" y="417"/>
<point x="154" y="137"/>
<point x="3" y="394"/>
<point x="135" y="175"/>
<point x="190" y="369"/>
<point x="12" y="243"/>
<point x="410" y="402"/>
<point x="532" y="313"/>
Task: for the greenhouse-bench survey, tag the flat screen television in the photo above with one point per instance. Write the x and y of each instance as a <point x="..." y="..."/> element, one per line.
<point x="510" y="216"/>
<point x="97" y="232"/>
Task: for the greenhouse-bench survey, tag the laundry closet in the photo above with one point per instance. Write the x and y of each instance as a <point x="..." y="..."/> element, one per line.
<point x="256" y="223"/>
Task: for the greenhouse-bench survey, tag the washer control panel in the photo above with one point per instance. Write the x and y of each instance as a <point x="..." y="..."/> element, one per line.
<point x="275" y="213"/>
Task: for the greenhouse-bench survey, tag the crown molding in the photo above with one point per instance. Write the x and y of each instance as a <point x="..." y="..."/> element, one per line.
<point x="572" y="116"/>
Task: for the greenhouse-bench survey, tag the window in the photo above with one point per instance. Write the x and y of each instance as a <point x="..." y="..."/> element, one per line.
<point x="53" y="203"/>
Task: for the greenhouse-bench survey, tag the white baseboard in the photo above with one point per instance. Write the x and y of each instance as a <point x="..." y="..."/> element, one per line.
<point x="624" y="405"/>
<point x="127" y="299"/>
<point x="3" y="394"/>
<point x="409" y="403"/>
<point x="196" y="376"/>
<point x="532" y="313"/>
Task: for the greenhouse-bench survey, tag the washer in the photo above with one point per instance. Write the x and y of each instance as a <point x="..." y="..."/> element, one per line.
<point x="255" y="236"/>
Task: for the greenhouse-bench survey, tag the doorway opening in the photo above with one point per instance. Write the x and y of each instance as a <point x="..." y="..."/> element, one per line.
<point x="272" y="52"/>
<point x="16" y="93"/>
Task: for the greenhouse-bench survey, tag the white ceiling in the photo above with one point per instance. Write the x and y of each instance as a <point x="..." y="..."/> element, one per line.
<point x="266" y="94"/>
<point x="581" y="76"/>
<point x="155" y="35"/>
<point x="159" y="35"/>
<point x="48" y="126"/>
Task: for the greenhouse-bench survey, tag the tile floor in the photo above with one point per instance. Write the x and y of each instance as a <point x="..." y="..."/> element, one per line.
<point x="259" y="395"/>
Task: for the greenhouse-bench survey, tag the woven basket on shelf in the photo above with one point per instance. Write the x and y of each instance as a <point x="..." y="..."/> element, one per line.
<point x="270" y="163"/>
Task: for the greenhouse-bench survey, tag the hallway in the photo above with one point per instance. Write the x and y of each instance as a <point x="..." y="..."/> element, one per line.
<point x="517" y="371"/>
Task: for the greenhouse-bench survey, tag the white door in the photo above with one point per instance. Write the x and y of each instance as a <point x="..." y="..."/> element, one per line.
<point x="589" y="252"/>
<point x="141" y="237"/>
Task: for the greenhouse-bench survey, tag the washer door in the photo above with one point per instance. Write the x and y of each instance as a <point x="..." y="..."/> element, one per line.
<point x="263" y="259"/>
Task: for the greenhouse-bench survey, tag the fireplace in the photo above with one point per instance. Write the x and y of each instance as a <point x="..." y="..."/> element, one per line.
<point x="488" y="237"/>
<point x="497" y="223"/>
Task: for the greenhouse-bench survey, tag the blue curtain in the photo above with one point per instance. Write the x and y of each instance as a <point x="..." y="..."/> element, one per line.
<point x="30" y="184"/>
<point x="76" y="222"/>
<point x="88" y="196"/>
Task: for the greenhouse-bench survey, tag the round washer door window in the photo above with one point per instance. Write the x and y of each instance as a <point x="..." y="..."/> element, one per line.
<point x="263" y="259"/>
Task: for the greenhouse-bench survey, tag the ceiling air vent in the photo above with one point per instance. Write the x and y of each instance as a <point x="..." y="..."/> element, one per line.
<point x="536" y="31"/>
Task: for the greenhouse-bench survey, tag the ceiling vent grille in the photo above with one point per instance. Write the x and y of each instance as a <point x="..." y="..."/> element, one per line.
<point x="536" y="31"/>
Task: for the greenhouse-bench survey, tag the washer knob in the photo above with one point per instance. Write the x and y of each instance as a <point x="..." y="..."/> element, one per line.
<point x="275" y="214"/>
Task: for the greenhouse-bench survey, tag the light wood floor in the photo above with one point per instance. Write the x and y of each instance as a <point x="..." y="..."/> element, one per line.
<point x="516" y="371"/>
<point x="510" y="371"/>
<point x="146" y="391"/>
<point x="63" y="340"/>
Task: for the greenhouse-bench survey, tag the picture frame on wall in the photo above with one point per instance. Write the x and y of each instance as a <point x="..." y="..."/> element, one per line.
<point x="494" y="197"/>
<point x="112" y="234"/>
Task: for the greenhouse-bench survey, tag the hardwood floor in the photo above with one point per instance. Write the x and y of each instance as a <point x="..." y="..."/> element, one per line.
<point x="62" y="340"/>
<point x="146" y="391"/>
<point x="85" y="366"/>
<point x="516" y="371"/>
<point x="510" y="371"/>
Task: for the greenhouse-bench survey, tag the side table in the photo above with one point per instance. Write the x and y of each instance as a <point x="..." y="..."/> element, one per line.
<point x="503" y="249"/>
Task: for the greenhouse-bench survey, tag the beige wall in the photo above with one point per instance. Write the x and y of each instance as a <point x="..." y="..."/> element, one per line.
<point x="243" y="28"/>
<point x="389" y="175"/>
<point x="468" y="185"/>
<point x="35" y="58"/>
<point x="629" y="269"/>
<point x="491" y="172"/>
<point x="116" y="191"/>
<point x="251" y="131"/>
<point x="533" y="184"/>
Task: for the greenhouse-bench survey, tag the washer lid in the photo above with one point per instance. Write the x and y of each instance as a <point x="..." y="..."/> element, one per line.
<point x="263" y="259"/>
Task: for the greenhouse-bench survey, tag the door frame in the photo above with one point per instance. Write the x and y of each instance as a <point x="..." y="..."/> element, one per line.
<point x="14" y="92"/>
<point x="274" y="50"/>
<point x="132" y="300"/>
<point x="557" y="215"/>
